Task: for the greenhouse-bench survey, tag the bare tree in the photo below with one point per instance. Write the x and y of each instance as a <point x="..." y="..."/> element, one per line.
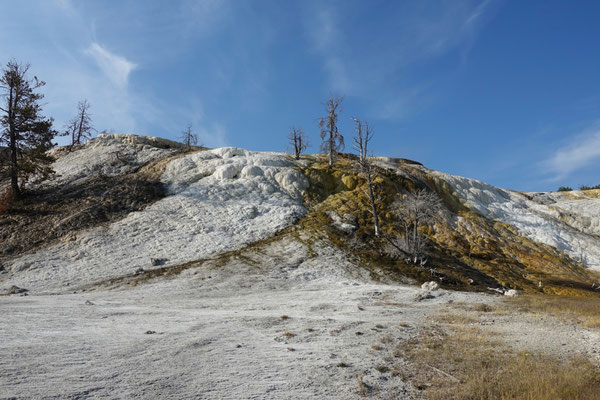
<point x="80" y="127"/>
<point x="333" y="141"/>
<point x="189" y="138"/>
<point x="298" y="140"/>
<point x="416" y="210"/>
<point x="364" y="134"/>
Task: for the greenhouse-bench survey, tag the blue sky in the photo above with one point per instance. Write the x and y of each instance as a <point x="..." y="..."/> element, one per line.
<point x="507" y="92"/>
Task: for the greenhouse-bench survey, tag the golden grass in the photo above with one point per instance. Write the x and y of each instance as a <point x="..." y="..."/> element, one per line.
<point x="467" y="363"/>
<point x="288" y="335"/>
<point x="583" y="310"/>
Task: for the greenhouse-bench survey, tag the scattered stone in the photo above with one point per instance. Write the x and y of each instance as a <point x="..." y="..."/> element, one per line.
<point x="497" y="290"/>
<point x="511" y="293"/>
<point x="157" y="261"/>
<point x="424" y="296"/>
<point x="350" y="219"/>
<point x="239" y="346"/>
<point x="150" y="332"/>
<point x="88" y="303"/>
<point x="16" y="290"/>
<point x="139" y="271"/>
<point x="430" y="286"/>
<point x="339" y="224"/>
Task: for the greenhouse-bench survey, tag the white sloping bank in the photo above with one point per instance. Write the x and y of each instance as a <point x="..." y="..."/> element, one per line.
<point x="537" y="220"/>
<point x="111" y="155"/>
<point x="218" y="200"/>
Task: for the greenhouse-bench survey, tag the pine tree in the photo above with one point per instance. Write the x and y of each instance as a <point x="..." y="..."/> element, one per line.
<point x="28" y="134"/>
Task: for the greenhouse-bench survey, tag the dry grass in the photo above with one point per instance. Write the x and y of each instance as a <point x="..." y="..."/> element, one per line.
<point x="583" y="310"/>
<point x="456" y="317"/>
<point x="466" y="363"/>
<point x="386" y="339"/>
<point x="363" y="388"/>
<point x="288" y="335"/>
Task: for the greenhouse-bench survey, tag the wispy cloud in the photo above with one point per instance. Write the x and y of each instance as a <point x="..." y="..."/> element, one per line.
<point x="116" y="68"/>
<point x="583" y="151"/>
<point x="377" y="64"/>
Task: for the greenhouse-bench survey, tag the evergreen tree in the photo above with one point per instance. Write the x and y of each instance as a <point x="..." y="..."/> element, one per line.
<point x="28" y="134"/>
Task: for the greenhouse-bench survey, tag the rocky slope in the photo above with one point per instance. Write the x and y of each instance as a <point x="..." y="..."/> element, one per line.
<point x="125" y="204"/>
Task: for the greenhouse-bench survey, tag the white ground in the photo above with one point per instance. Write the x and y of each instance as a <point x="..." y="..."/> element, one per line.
<point x="219" y="334"/>
<point x="111" y="154"/>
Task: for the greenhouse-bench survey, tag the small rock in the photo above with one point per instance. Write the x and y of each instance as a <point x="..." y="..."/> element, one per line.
<point x="139" y="271"/>
<point x="424" y="296"/>
<point x="430" y="286"/>
<point x="150" y="332"/>
<point x="16" y="290"/>
<point x="339" y="224"/>
<point x="88" y="303"/>
<point x="157" y="261"/>
<point x="511" y="293"/>
<point x="239" y="346"/>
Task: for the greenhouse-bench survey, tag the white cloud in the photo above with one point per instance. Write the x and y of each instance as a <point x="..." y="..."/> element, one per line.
<point x="580" y="153"/>
<point x="116" y="68"/>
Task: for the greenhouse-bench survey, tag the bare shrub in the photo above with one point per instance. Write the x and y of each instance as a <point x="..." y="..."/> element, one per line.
<point x="415" y="211"/>
<point x="298" y="140"/>
<point x="333" y="141"/>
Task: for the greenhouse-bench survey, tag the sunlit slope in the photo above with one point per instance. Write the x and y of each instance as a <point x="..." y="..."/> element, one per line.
<point x="227" y="201"/>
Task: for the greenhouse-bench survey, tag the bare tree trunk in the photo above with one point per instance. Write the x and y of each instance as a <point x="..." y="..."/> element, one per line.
<point x="80" y="127"/>
<point x="331" y="148"/>
<point x="14" y="183"/>
<point x="373" y="205"/>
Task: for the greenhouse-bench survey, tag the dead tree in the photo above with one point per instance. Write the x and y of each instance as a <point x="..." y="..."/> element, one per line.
<point x="298" y="141"/>
<point x="364" y="134"/>
<point x="189" y="138"/>
<point x="415" y="210"/>
<point x="333" y="141"/>
<point x="80" y="127"/>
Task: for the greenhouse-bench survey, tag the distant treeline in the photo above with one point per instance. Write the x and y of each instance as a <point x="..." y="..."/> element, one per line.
<point x="582" y="187"/>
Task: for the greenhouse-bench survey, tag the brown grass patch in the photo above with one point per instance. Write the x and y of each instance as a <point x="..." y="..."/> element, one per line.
<point x="288" y="335"/>
<point x="467" y="363"/>
<point x="583" y="310"/>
